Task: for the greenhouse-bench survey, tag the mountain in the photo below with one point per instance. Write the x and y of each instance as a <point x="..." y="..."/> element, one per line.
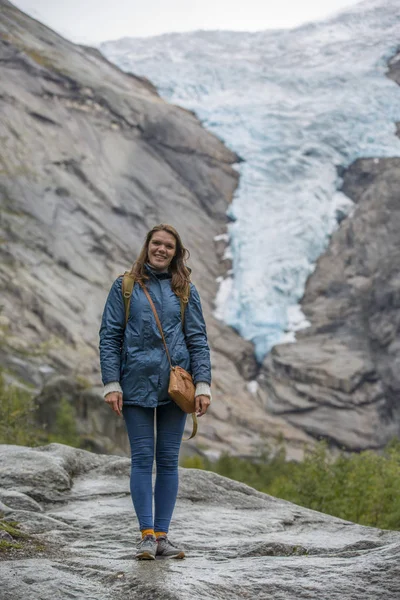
<point x="303" y="108"/>
<point x="298" y="106"/>
<point x="341" y="380"/>
<point x="91" y="158"/>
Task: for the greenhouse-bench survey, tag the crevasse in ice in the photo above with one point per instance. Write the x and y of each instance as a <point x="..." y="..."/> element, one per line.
<point x="295" y="105"/>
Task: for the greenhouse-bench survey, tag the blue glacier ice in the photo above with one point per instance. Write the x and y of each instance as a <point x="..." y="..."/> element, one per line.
<point x="295" y="105"/>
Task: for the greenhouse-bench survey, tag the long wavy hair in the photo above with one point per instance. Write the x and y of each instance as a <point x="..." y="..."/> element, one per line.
<point x="180" y="273"/>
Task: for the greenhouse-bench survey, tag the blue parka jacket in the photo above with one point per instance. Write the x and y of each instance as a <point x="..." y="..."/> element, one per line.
<point x="135" y="356"/>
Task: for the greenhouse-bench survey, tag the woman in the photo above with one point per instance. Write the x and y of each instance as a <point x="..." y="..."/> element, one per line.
<point x="135" y="372"/>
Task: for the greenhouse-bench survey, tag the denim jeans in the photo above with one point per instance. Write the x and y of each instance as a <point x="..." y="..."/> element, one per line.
<point x="170" y="423"/>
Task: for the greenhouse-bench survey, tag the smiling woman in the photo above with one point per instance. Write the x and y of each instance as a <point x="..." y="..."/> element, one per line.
<point x="161" y="250"/>
<point x="135" y="371"/>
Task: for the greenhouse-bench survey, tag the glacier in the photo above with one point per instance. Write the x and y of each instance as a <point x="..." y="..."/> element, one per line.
<point x="297" y="106"/>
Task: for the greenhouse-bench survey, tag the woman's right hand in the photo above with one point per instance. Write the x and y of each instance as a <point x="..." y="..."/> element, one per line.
<point x="114" y="399"/>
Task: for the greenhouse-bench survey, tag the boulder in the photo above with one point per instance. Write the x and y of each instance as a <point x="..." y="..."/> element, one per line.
<point x="240" y="543"/>
<point x="18" y="501"/>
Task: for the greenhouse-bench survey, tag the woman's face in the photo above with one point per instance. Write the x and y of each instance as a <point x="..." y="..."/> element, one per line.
<point x="161" y="250"/>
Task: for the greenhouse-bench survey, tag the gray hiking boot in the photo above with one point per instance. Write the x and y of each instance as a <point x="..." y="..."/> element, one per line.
<point x="167" y="549"/>
<point x="147" y="548"/>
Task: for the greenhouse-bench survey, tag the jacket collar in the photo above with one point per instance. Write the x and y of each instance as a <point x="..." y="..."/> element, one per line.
<point x="157" y="274"/>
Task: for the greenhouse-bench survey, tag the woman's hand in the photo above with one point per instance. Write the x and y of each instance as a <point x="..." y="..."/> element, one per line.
<point x="202" y="404"/>
<point x="114" y="399"/>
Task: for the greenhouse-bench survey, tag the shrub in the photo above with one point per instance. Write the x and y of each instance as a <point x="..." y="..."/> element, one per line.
<point x="65" y="430"/>
<point x="18" y="423"/>
<point x="362" y="487"/>
<point x="17" y="415"/>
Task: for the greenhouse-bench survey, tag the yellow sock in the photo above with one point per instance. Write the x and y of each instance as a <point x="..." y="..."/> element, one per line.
<point x="147" y="532"/>
<point x="158" y="533"/>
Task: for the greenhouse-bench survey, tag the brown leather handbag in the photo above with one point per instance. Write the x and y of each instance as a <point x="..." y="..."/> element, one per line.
<point x="181" y="387"/>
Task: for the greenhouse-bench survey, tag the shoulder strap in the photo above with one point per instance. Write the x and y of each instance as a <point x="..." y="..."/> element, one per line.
<point x="183" y="304"/>
<point x="128" y="283"/>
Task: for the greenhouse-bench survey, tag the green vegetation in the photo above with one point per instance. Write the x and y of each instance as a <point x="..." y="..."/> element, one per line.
<point x="65" y="427"/>
<point x="18" y="423"/>
<point x="21" y="541"/>
<point x="4" y="545"/>
<point x="17" y="418"/>
<point x="362" y="487"/>
<point x="11" y="527"/>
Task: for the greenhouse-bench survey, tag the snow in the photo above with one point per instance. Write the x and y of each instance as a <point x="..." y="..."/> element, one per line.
<point x="295" y="105"/>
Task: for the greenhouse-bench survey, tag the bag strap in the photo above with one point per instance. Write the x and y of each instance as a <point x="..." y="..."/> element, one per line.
<point x="194" y="416"/>
<point x="194" y="428"/>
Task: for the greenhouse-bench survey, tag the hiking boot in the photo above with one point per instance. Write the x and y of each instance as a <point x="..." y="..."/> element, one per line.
<point x="147" y="548"/>
<point x="167" y="549"/>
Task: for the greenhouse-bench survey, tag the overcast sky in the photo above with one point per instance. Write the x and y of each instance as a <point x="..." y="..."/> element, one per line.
<point x="93" y="21"/>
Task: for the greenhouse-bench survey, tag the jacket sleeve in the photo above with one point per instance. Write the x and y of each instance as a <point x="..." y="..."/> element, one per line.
<point x="112" y="334"/>
<point x="196" y="339"/>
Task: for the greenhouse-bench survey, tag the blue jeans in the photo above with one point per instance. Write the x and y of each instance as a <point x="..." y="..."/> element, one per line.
<point x="170" y="423"/>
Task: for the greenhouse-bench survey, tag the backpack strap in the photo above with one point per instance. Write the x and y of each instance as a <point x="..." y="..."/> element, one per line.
<point x="183" y="304"/>
<point x="128" y="282"/>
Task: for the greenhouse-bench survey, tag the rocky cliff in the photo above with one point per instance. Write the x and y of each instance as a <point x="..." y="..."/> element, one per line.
<point x="91" y="158"/>
<point x="240" y="543"/>
<point x="341" y="380"/>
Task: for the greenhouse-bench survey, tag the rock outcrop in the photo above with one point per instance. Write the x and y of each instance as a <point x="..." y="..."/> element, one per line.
<point x="341" y="380"/>
<point x="78" y="509"/>
<point x="91" y="158"/>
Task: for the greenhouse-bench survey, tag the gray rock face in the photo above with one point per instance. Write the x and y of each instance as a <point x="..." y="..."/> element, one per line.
<point x="18" y="501"/>
<point x="240" y="543"/>
<point x="341" y="380"/>
<point x="91" y="158"/>
<point x="96" y="430"/>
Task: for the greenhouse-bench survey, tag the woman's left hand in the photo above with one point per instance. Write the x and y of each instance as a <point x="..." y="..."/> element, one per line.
<point x="202" y="404"/>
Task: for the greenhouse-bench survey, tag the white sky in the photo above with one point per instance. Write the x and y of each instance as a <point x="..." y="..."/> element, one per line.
<point x="92" y="21"/>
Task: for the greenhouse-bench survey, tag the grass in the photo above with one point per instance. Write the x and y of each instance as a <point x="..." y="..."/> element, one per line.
<point x="11" y="527"/>
<point x="4" y="545"/>
<point x="22" y="545"/>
